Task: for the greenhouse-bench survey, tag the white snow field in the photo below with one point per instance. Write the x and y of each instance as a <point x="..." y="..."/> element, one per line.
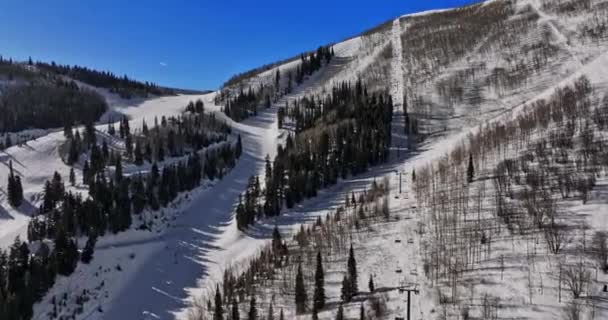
<point x="161" y="274"/>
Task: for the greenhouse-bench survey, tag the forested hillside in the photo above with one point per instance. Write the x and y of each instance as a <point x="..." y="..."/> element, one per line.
<point x="449" y="164"/>
<point x="46" y="95"/>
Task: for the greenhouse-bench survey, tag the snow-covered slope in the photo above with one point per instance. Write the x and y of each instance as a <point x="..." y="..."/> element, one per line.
<point x="162" y="275"/>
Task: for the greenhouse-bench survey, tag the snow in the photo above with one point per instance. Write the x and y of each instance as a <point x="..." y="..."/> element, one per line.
<point x="164" y="272"/>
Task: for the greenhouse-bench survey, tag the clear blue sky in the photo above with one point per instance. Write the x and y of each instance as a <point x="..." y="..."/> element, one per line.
<point x="193" y="44"/>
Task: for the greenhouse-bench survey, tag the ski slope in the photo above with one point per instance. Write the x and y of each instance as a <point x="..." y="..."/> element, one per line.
<point x="160" y="275"/>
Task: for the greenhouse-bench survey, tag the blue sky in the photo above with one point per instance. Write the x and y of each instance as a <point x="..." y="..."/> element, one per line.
<point x="194" y="44"/>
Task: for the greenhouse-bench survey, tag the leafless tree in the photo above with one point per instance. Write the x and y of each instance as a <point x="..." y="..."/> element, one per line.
<point x="576" y="277"/>
<point x="572" y="311"/>
<point x="600" y="249"/>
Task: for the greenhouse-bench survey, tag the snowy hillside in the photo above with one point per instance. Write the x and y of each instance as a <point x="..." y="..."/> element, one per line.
<point x="490" y="205"/>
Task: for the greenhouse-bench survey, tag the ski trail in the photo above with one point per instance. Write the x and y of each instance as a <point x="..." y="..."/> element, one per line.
<point x="397" y="70"/>
<point x="561" y="38"/>
<point x="399" y="139"/>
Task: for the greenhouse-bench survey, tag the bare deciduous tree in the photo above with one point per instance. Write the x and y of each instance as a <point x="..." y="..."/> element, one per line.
<point x="577" y="278"/>
<point x="600" y="249"/>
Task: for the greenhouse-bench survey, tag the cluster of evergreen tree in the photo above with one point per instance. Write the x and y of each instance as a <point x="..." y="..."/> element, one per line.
<point x="246" y="103"/>
<point x="48" y="104"/>
<point x="114" y="199"/>
<point x="336" y="137"/>
<point x="14" y="188"/>
<point x="349" y="286"/>
<point x="313" y="62"/>
<point x="123" y="86"/>
<point x="243" y="105"/>
<point x="173" y="137"/>
<point x="26" y="276"/>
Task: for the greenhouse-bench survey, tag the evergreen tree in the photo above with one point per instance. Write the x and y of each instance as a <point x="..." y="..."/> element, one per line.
<point x="129" y="146"/>
<point x="277" y="80"/>
<point x="118" y="169"/>
<point x="470" y="169"/>
<point x="235" y="310"/>
<point x="319" y="293"/>
<point x="137" y="154"/>
<point x="14" y="188"/>
<point x="370" y="284"/>
<point x="253" y="312"/>
<point x="281" y="315"/>
<point x="277" y="242"/>
<point x="346" y="293"/>
<point x="65" y="253"/>
<point x="89" y="248"/>
<point x="361" y="312"/>
<point x="86" y="174"/>
<point x="138" y="195"/>
<point x="72" y="177"/>
<point x="111" y="128"/>
<point x="218" y="313"/>
<point x="270" y="313"/>
<point x="300" y="294"/>
<point x="340" y="314"/>
<point x="239" y="147"/>
<point x="352" y="271"/>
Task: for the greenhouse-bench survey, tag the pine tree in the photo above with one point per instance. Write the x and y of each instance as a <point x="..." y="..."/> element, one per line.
<point x="300" y="294"/>
<point x="470" y="169"/>
<point x="235" y="310"/>
<point x="239" y="147"/>
<point x="340" y="314"/>
<point x="14" y="188"/>
<point x="413" y="175"/>
<point x="72" y="177"/>
<point x="111" y="128"/>
<point x="253" y="312"/>
<point x="370" y="284"/>
<point x="137" y="154"/>
<point x="86" y="174"/>
<point x="315" y="313"/>
<point x="281" y="315"/>
<point x="218" y="313"/>
<point x="352" y="271"/>
<point x="277" y="242"/>
<point x="277" y="80"/>
<point x="89" y="248"/>
<point x="129" y="146"/>
<point x="319" y="293"/>
<point x="346" y="293"/>
<point x="361" y="312"/>
<point x="270" y="313"/>
<point x="118" y="170"/>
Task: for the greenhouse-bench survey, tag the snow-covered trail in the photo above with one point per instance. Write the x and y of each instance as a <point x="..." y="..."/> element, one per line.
<point x="397" y="81"/>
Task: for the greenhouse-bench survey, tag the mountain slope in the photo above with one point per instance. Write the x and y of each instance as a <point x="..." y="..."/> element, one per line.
<point x="451" y="74"/>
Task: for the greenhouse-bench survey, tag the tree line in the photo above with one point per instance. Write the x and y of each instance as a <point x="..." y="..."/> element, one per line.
<point x="337" y="137"/>
<point x="246" y="102"/>
<point x="48" y="104"/>
<point x="172" y="137"/>
<point x="123" y="86"/>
